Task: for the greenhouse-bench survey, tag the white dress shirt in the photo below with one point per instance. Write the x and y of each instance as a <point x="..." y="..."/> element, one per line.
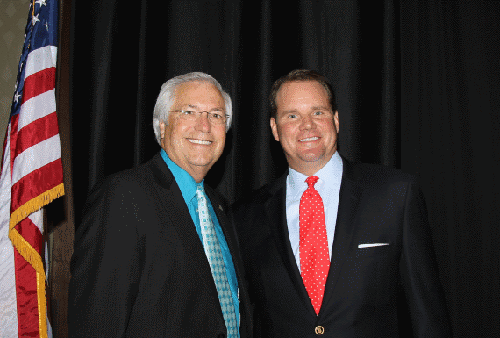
<point x="328" y="187"/>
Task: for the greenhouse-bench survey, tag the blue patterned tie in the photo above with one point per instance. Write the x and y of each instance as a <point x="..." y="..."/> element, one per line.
<point x="214" y="255"/>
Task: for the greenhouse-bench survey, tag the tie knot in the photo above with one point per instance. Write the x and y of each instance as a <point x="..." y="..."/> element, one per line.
<point x="311" y="181"/>
<point x="199" y="192"/>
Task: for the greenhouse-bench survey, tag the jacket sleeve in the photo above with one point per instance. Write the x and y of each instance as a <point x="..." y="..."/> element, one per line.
<point x="106" y="264"/>
<point x="418" y="268"/>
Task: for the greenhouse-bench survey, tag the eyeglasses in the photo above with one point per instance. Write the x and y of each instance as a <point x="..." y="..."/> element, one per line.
<point x="215" y="116"/>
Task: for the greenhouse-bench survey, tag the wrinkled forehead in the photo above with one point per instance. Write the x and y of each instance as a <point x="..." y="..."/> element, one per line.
<point x="198" y="94"/>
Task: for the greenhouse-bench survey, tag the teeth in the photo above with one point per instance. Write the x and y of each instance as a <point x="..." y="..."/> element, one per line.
<point x="309" y="139"/>
<point x="200" y="142"/>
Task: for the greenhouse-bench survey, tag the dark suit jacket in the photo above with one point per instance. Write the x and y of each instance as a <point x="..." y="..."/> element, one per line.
<point x="139" y="268"/>
<point x="365" y="285"/>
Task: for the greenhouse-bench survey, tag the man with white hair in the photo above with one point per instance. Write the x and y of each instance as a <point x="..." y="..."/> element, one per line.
<point x="155" y="255"/>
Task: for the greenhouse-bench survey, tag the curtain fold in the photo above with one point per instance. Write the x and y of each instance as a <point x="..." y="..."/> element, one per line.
<point x="450" y="132"/>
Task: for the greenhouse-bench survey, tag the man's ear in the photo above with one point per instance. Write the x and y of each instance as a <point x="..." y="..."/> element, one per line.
<point x="336" y="120"/>
<point x="274" y="128"/>
<point x="162" y="130"/>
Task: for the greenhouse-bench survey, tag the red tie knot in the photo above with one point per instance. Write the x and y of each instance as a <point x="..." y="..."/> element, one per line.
<point x="311" y="181"/>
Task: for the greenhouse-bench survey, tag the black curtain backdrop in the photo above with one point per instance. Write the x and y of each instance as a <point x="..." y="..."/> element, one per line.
<point x="417" y="84"/>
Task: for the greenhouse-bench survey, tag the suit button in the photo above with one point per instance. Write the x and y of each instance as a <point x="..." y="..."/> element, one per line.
<point x="319" y="329"/>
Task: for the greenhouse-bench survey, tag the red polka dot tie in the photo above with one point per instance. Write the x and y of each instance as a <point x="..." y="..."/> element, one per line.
<point x="314" y="256"/>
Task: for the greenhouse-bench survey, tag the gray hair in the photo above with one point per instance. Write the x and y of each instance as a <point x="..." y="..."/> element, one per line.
<point x="167" y="95"/>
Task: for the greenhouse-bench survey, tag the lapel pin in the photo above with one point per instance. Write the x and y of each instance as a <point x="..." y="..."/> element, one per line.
<point x="220" y="207"/>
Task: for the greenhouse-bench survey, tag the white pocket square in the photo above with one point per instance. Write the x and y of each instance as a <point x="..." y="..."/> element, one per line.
<point x="371" y="245"/>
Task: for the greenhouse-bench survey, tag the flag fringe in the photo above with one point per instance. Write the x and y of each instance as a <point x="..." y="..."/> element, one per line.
<point x="35" y="260"/>
<point x="29" y="253"/>
<point x="42" y="304"/>
<point x="35" y="204"/>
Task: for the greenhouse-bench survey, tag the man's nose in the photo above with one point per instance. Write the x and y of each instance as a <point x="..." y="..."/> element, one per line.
<point x="203" y="122"/>
<point x="307" y="122"/>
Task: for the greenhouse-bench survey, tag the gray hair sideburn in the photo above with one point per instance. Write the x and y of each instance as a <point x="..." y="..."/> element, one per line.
<point x="167" y="95"/>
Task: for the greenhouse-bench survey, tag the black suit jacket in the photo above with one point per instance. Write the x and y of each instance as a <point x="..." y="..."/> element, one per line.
<point x="365" y="287"/>
<point x="139" y="268"/>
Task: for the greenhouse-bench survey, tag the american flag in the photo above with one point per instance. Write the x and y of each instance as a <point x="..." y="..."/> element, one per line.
<point x="31" y="178"/>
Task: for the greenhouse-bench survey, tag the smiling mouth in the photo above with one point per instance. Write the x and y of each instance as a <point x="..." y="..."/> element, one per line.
<point x="200" y="142"/>
<point x="309" y="139"/>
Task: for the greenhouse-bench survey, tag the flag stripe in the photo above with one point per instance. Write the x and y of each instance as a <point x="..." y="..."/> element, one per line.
<point x="39" y="83"/>
<point x="37" y="219"/>
<point x="27" y="189"/>
<point x="40" y="59"/>
<point x="37" y="107"/>
<point x="31" y="233"/>
<point x="36" y="132"/>
<point x="8" y="301"/>
<point x="13" y="137"/>
<point x="27" y="301"/>
<point x="36" y="157"/>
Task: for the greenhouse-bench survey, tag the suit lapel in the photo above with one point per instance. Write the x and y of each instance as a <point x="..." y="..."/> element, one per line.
<point x="276" y="213"/>
<point x="349" y="197"/>
<point x="175" y="210"/>
<point x="220" y="212"/>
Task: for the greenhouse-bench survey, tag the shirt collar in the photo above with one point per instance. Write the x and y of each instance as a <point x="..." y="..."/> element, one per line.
<point x="186" y="183"/>
<point x="330" y="174"/>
